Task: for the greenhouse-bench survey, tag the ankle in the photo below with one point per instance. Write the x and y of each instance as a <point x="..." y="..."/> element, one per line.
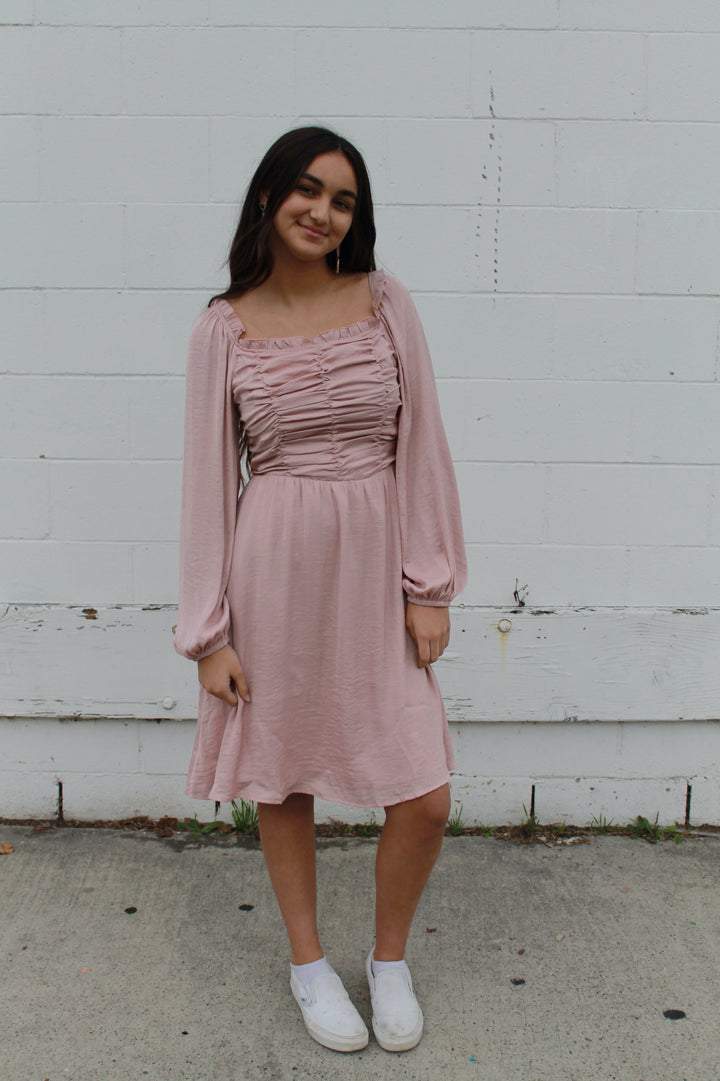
<point x="307" y="972"/>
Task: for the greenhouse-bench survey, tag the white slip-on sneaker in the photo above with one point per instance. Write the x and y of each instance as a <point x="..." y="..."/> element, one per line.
<point x="328" y="1013"/>
<point x="397" y="1019"/>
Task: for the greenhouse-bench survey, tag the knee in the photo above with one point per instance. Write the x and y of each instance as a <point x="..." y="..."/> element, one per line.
<point x="437" y="810"/>
<point x="428" y="814"/>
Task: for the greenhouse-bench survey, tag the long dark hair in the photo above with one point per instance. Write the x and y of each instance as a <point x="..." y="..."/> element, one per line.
<point x="250" y="260"/>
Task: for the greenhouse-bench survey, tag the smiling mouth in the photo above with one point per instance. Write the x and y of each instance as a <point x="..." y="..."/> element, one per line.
<point x="313" y="232"/>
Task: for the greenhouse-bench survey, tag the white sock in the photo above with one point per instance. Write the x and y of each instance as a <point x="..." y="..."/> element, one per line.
<point x="307" y="973"/>
<point x="382" y="966"/>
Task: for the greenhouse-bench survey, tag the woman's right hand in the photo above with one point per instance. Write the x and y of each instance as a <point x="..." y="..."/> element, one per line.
<point x="220" y="672"/>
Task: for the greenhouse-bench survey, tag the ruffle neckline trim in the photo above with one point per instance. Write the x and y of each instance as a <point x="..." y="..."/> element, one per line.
<point x="377" y="281"/>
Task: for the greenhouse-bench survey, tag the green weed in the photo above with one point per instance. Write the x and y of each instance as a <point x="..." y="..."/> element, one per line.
<point x="198" y="829"/>
<point x="245" y="817"/>
<point x="643" y="827"/>
<point x="455" y="823"/>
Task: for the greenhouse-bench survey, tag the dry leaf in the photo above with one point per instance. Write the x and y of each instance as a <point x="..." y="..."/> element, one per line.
<point x="559" y="938"/>
<point x="86" y="970"/>
<point x="6" y="849"/>
<point x="521" y="951"/>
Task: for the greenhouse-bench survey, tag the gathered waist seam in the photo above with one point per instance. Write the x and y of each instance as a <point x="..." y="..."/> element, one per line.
<point x="327" y="480"/>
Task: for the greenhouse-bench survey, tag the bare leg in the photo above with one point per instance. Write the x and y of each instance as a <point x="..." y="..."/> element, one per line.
<point x="287" y="832"/>
<point x="408" y="848"/>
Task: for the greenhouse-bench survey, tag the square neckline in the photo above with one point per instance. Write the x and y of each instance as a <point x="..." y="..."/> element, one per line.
<point x="376" y="282"/>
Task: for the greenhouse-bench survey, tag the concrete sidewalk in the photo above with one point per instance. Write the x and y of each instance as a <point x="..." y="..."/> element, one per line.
<point x="126" y="957"/>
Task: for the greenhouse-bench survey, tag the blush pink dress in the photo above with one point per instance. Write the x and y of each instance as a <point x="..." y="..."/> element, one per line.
<point x="351" y="508"/>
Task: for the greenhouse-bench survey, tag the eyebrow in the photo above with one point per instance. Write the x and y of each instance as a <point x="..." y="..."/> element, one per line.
<point x="318" y="181"/>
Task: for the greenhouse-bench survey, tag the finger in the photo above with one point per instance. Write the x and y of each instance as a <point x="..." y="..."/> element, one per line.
<point x="423" y="648"/>
<point x="241" y="686"/>
<point x="225" y="694"/>
<point x="228" y="695"/>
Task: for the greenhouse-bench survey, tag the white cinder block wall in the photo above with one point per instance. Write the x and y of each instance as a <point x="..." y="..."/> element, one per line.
<point x="546" y="178"/>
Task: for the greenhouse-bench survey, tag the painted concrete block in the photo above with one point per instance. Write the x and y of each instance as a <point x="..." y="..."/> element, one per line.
<point x="643" y="165"/>
<point x="237" y="146"/>
<point x="323" y="13"/>
<point x="121" y="12"/>
<point x="183" y="247"/>
<point x="156" y="572"/>
<point x="490" y="801"/>
<point x="540" y="14"/>
<point x="63" y="71"/>
<point x="679" y="577"/>
<point x="705" y="801"/>
<point x="628" y="504"/>
<point x="408" y="247"/>
<point x="93" y="796"/>
<point x="24" y="500"/>
<point x="570" y="337"/>
<point x="112" y="332"/>
<point x="681" y="751"/>
<point x="133" y="501"/>
<point x="644" y="16"/>
<point x="203" y="72"/>
<point x="414" y="73"/>
<point x="678" y="252"/>
<point x="93" y="233"/>
<point x="106" y="151"/>
<point x="521" y="163"/>
<point x="566" y="251"/>
<point x="73" y="417"/>
<point x="165" y="747"/>
<point x="156" y="417"/>
<point x="566" y="575"/>
<point x="493" y="420"/>
<point x="69" y="746"/>
<point x="632" y="337"/>
<point x="20" y="167"/>
<point x="618" y="801"/>
<point x="683" y="77"/>
<point x="490" y="420"/>
<point x="440" y="161"/>
<point x="566" y="77"/>
<point x="488" y="337"/>
<point x="18" y="12"/>
<point x="48" y="572"/>
<point x="673" y="423"/>
<point x="501" y="501"/>
<point x="27" y="794"/>
<point x="20" y="330"/>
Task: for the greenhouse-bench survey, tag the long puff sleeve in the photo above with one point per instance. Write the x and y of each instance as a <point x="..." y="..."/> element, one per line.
<point x="211" y="477"/>
<point x="433" y="551"/>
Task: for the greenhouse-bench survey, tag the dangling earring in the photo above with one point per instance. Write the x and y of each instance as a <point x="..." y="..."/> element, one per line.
<point x="262" y="208"/>
<point x="337" y="261"/>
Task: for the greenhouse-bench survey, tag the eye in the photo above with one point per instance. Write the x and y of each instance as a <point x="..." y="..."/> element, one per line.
<point x="306" y="189"/>
<point x="343" y="205"/>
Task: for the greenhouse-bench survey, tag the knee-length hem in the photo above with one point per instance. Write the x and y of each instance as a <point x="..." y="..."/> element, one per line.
<point x="352" y="509"/>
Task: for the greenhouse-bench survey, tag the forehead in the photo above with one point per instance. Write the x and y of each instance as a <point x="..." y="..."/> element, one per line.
<point x="334" y="170"/>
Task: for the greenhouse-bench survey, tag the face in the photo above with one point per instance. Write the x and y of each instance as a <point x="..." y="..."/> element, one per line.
<point x="316" y="216"/>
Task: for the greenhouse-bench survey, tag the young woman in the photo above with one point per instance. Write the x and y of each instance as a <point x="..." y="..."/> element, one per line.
<point x="316" y="602"/>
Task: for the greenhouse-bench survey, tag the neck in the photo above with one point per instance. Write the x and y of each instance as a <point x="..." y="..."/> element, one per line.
<point x="293" y="279"/>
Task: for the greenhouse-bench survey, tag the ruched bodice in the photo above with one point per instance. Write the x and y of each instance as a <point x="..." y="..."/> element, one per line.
<point x="323" y="407"/>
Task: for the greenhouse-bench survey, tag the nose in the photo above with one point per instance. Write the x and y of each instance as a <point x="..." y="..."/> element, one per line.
<point x="320" y="210"/>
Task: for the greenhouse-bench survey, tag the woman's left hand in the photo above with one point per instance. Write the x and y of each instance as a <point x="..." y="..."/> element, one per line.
<point x="429" y="629"/>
